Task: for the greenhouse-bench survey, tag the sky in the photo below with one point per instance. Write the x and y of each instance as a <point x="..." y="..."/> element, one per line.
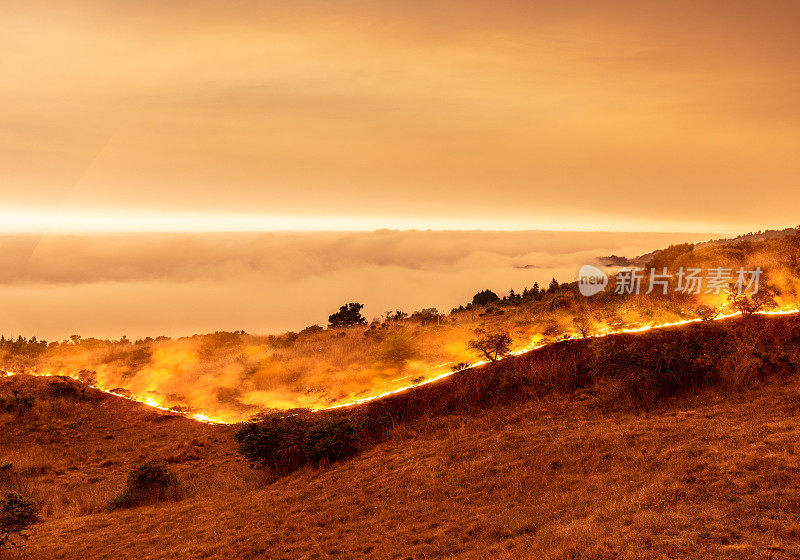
<point x="624" y="115"/>
<point x="156" y="155"/>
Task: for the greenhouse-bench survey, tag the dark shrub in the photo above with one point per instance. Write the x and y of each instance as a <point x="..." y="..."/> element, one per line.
<point x="285" y="441"/>
<point x="87" y="376"/>
<point x="662" y="364"/>
<point x="66" y="388"/>
<point x="329" y="440"/>
<point x="17" y="514"/>
<point x="16" y="403"/>
<point x="273" y="441"/>
<point x="148" y="483"/>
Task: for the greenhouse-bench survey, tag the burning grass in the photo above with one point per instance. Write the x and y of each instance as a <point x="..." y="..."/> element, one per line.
<point x="631" y="370"/>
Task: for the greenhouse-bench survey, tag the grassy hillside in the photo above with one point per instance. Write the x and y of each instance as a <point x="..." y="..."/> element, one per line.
<point x="231" y="376"/>
<point x="709" y="475"/>
<point x="668" y="443"/>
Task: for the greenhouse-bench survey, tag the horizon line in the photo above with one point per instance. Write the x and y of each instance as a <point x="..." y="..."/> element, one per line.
<point x="109" y="221"/>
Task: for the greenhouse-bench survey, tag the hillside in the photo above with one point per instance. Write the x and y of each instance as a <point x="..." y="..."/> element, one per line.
<point x="708" y="476"/>
<point x="702" y="464"/>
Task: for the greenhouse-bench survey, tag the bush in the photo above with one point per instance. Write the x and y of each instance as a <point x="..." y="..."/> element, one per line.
<point x="662" y="364"/>
<point x="398" y="348"/>
<point x="16" y="403"/>
<point x="272" y="441"/>
<point x="67" y="388"/>
<point x="707" y="313"/>
<point x="17" y="514"/>
<point x="330" y="440"/>
<point x="284" y="442"/>
<point x="148" y="483"/>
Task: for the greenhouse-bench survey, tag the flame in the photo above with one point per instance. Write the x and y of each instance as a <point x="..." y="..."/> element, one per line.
<point x="436" y="374"/>
<point x="534" y="346"/>
<point x="147" y="401"/>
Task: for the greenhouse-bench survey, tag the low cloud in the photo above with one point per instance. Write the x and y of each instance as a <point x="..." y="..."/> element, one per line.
<point x="151" y="284"/>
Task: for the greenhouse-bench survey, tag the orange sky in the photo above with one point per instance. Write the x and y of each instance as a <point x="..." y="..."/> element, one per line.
<point x="572" y="114"/>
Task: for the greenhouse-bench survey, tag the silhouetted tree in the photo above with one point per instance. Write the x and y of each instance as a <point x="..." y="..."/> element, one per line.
<point x="396" y="316"/>
<point x="485" y="297"/>
<point x="492" y="346"/>
<point x="748" y="304"/>
<point x="348" y="315"/>
<point x="707" y="313"/>
<point x="584" y="325"/>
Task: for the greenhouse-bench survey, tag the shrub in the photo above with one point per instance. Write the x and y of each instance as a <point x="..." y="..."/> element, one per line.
<point x="272" y="441"/>
<point x="707" y="313"/>
<point x="87" y="376"/>
<point x="16" y="403"/>
<point x="663" y="364"/>
<point x="66" y="388"/>
<point x="285" y="441"/>
<point x="397" y="348"/>
<point x="17" y="514"/>
<point x="330" y="440"/>
<point x="148" y="483"/>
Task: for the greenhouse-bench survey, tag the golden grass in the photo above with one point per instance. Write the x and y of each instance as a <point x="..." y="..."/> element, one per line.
<point x="710" y="475"/>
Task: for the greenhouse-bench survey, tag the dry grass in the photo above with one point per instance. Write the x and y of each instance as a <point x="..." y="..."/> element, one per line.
<point x="710" y="475"/>
<point x="76" y="453"/>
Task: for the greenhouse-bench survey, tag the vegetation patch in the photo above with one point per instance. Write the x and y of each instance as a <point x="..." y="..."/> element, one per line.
<point x="148" y="483"/>
<point x="286" y="440"/>
<point x="18" y="513"/>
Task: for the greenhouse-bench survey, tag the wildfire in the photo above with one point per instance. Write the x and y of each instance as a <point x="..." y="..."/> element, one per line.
<point x="147" y="401"/>
<point x="534" y="346"/>
<point x="151" y="402"/>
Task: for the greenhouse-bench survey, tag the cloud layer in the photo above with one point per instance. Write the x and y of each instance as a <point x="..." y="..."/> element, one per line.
<point x="152" y="284"/>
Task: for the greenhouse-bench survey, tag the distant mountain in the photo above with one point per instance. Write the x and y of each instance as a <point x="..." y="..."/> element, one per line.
<point x="615" y="260"/>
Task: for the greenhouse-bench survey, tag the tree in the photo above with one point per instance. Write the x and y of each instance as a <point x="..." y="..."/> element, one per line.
<point x="427" y="316"/>
<point x="492" y="346"/>
<point x="87" y="376"/>
<point x="485" y="297"/>
<point x="553" y="285"/>
<point x="397" y="315"/>
<point x="584" y="325"/>
<point x="17" y="514"/>
<point x="707" y="313"/>
<point x="748" y="304"/>
<point x="347" y="316"/>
